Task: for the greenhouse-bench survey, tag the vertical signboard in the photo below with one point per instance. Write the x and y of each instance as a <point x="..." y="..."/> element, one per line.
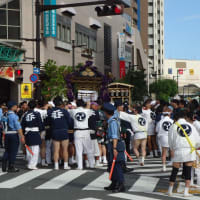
<point x="50" y="20"/>
<point x="122" y="69"/>
<point x="191" y="72"/>
<point x="122" y="55"/>
<point x="26" y="91"/>
<point x="121" y="50"/>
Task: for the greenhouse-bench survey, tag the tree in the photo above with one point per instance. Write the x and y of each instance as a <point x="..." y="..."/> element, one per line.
<point x="138" y="80"/>
<point x="53" y="83"/>
<point x="164" y="89"/>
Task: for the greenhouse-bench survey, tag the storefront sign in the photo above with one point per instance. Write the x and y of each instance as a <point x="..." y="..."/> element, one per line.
<point x="128" y="29"/>
<point x="122" y="69"/>
<point x="26" y="91"/>
<point x="121" y="50"/>
<point x="50" y="20"/>
<point x="191" y="72"/>
<point x="180" y="71"/>
<point x="7" y="73"/>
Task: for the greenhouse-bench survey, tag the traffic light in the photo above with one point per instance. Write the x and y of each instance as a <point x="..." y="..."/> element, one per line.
<point x="19" y="75"/>
<point x="109" y="10"/>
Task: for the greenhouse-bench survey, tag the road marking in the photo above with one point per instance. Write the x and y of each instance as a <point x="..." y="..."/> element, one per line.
<point x="2" y="173"/>
<point x="90" y="198"/>
<point x="61" y="180"/>
<point x="99" y="183"/>
<point x="24" y="178"/>
<point x="144" y="183"/>
<point x="160" y="175"/>
<point x="151" y="165"/>
<point x="142" y="170"/>
<point x="178" y="196"/>
<point x="131" y="196"/>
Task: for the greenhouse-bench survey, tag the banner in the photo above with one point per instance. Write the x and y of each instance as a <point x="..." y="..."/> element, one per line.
<point x="121" y="50"/>
<point x="26" y="91"/>
<point x="122" y="69"/>
<point x="7" y="73"/>
<point x="50" y="20"/>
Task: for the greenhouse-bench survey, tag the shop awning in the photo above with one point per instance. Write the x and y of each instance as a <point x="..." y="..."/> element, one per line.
<point x="10" y="53"/>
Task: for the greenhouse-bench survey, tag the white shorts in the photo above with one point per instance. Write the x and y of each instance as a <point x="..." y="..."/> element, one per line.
<point x="184" y="155"/>
<point x="163" y="140"/>
<point x="95" y="146"/>
<point x="140" y="135"/>
<point x="151" y="131"/>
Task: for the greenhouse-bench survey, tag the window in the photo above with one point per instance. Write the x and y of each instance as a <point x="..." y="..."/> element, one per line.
<point x="76" y="39"/>
<point x="10" y="20"/>
<point x="85" y="36"/>
<point x="79" y="38"/>
<point x="64" y="33"/>
<point x="68" y="35"/>
<point x="170" y="71"/>
<point x="58" y="31"/>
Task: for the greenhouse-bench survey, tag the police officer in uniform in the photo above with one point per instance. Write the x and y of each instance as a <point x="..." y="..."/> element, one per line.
<point x="118" y="108"/>
<point x="115" y="149"/>
<point x="13" y="130"/>
<point x="32" y="126"/>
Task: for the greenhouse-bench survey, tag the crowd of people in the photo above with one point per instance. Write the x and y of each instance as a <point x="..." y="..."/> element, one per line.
<point x="79" y="134"/>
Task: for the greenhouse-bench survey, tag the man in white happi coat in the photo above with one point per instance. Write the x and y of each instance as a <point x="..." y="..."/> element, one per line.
<point x="82" y="137"/>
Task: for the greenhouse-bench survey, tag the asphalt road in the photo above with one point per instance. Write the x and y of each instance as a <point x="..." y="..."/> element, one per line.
<point x="145" y="183"/>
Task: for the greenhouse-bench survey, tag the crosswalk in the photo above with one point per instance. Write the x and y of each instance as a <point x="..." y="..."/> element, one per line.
<point x="139" y="183"/>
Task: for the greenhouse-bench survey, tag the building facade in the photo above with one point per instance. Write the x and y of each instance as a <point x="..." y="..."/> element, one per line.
<point x="186" y="73"/>
<point x="152" y="33"/>
<point x="104" y="40"/>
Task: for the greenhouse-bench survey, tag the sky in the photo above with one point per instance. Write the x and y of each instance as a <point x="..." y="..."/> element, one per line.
<point x="182" y="29"/>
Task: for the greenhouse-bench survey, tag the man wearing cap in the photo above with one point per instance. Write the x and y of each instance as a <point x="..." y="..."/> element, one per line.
<point x="119" y="107"/>
<point x="115" y="148"/>
<point x="12" y="130"/>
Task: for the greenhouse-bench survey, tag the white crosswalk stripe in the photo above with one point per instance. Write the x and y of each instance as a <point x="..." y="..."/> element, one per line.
<point x="98" y="183"/>
<point x="141" y="182"/>
<point x="90" y="199"/>
<point x="62" y="180"/>
<point x="2" y="173"/>
<point x="24" y="178"/>
<point x="149" y="183"/>
<point x="131" y="196"/>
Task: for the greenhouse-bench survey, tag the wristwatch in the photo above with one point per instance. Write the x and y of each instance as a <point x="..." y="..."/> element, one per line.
<point x="115" y="148"/>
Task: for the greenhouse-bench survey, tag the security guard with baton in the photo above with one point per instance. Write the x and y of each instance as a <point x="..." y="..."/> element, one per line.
<point x="115" y="150"/>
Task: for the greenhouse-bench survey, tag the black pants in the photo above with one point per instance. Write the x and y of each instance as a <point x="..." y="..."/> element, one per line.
<point x="128" y="141"/>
